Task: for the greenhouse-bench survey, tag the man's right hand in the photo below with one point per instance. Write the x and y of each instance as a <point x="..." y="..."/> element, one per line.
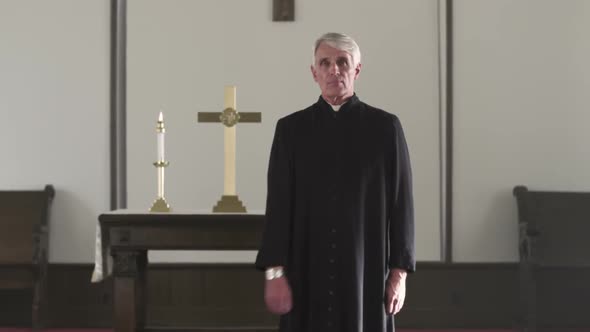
<point x="277" y="295"/>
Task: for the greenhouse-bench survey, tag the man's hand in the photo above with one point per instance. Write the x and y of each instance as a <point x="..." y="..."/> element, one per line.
<point x="395" y="291"/>
<point x="277" y="295"/>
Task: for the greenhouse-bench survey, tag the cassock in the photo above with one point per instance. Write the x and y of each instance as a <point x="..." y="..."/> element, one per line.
<point x="339" y="215"/>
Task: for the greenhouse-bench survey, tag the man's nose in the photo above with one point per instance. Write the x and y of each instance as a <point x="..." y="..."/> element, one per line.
<point x="334" y="70"/>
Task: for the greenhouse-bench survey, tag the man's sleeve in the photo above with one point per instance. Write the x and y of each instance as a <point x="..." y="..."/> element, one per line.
<point x="401" y="228"/>
<point x="276" y="236"/>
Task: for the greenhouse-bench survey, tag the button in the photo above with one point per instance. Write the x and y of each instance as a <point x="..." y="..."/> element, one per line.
<point x="333" y="246"/>
<point x="329" y="324"/>
<point x="332" y="277"/>
<point x="331" y="260"/>
<point x="333" y="230"/>
<point x="331" y="292"/>
<point x="330" y="308"/>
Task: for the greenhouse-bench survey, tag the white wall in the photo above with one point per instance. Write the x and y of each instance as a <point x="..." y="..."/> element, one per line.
<point x="181" y="53"/>
<point x="521" y="103"/>
<point x="54" y="83"/>
<point x="522" y="113"/>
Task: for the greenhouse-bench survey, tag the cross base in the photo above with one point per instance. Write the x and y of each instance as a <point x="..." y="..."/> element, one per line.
<point x="229" y="204"/>
<point x="160" y="205"/>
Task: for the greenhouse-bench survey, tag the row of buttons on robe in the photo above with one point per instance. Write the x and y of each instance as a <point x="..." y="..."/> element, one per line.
<point x="334" y="195"/>
<point x="331" y="275"/>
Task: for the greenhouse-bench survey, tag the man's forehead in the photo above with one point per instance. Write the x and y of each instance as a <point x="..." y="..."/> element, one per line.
<point x="327" y="50"/>
<point x="332" y="55"/>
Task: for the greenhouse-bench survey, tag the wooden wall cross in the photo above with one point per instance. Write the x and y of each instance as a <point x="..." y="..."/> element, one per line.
<point x="283" y="10"/>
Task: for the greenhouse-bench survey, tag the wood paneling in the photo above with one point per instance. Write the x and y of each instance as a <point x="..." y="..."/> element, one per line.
<point x="182" y="295"/>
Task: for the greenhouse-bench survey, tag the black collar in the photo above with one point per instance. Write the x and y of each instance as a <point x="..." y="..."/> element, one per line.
<point x="345" y="108"/>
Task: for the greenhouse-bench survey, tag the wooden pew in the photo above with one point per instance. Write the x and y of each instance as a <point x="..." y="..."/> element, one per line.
<point x="24" y="244"/>
<point x="554" y="240"/>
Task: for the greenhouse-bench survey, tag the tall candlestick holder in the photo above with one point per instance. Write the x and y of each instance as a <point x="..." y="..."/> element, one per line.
<point x="160" y="204"/>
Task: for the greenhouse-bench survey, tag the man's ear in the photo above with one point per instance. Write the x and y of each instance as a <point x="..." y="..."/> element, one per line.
<point x="313" y="73"/>
<point x="357" y="71"/>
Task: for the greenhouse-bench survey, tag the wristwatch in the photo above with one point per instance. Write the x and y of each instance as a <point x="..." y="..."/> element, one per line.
<point x="273" y="273"/>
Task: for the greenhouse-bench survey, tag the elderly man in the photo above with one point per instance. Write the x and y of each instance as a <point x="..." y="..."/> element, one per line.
<point x="339" y="235"/>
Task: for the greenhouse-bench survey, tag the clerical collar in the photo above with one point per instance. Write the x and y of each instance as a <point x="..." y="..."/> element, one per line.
<point x="342" y="107"/>
<point x="336" y="107"/>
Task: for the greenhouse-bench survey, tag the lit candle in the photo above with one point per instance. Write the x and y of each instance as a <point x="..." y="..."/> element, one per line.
<point x="160" y="132"/>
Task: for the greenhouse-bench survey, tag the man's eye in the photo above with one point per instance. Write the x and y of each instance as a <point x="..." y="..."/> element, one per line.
<point x="342" y="63"/>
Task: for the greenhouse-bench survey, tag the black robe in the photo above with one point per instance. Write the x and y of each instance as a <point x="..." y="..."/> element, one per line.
<point x="339" y="215"/>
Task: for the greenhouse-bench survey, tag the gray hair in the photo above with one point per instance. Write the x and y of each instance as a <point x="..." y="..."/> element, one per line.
<point x="341" y="42"/>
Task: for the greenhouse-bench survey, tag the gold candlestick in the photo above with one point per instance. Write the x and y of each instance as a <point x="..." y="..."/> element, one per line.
<point x="160" y="204"/>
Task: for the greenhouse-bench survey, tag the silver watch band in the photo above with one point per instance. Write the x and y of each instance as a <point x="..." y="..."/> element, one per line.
<point x="273" y="273"/>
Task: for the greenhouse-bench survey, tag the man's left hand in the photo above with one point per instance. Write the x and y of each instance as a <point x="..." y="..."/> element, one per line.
<point x="395" y="291"/>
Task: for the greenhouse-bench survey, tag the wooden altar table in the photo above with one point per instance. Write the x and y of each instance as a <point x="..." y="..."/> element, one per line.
<point x="129" y="236"/>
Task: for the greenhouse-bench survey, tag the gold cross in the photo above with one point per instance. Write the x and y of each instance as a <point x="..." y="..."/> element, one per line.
<point x="230" y="118"/>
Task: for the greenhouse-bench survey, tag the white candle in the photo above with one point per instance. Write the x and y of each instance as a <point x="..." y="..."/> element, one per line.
<point x="161" y="132"/>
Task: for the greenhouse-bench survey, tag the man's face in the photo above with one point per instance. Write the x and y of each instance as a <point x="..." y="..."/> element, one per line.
<point x="335" y="73"/>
